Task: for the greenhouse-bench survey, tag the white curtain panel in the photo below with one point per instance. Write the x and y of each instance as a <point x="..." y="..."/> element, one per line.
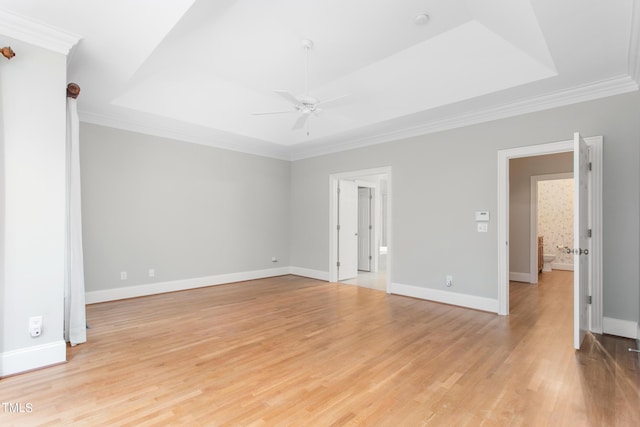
<point x="75" y="325"/>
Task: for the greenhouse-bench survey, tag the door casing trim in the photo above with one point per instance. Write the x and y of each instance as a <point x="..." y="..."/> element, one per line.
<point x="333" y="216"/>
<point x="595" y="219"/>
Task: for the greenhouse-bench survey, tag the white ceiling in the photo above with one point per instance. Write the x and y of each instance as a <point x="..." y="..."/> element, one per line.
<point x="196" y="70"/>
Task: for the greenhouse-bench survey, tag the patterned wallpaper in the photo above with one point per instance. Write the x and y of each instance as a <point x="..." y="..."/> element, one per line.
<point x="555" y="217"/>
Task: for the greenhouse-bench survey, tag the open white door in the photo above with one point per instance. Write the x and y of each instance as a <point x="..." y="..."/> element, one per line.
<point x="347" y="230"/>
<point x="365" y="228"/>
<point x="580" y="239"/>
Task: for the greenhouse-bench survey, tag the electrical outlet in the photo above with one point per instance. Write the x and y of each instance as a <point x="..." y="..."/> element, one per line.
<point x="274" y="259"/>
<point x="152" y="272"/>
<point x="35" y="326"/>
<point x="123" y="275"/>
<point x="449" y="281"/>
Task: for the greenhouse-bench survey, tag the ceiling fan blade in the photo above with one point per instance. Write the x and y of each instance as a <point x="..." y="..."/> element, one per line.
<point x="274" y="112"/>
<point x="328" y="101"/>
<point x="288" y="96"/>
<point x="302" y="120"/>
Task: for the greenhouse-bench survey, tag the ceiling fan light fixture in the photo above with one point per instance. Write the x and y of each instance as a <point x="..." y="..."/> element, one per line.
<point x="421" y="19"/>
<point x="306" y="105"/>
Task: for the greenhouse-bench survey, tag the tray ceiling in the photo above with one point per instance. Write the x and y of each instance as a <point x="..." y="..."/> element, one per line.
<point x="197" y="70"/>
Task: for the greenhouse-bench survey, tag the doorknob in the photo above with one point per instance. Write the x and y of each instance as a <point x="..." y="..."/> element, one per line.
<point x="578" y="251"/>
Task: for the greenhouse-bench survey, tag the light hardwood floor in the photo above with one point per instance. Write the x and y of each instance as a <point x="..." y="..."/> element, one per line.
<point x="369" y="280"/>
<point x="295" y="351"/>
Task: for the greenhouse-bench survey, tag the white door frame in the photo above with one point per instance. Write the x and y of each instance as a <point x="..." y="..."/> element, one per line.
<point x="595" y="219"/>
<point x="533" y="227"/>
<point x="333" y="217"/>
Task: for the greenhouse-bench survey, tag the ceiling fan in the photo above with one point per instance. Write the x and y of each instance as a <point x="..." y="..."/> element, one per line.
<point x="306" y="105"/>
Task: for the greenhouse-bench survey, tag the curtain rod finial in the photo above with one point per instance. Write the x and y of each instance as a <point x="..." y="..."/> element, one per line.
<point x="7" y="52"/>
<point x="73" y="90"/>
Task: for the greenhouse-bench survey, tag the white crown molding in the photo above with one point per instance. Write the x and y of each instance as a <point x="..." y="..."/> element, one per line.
<point x="37" y="33"/>
<point x="634" y="43"/>
<point x="602" y="89"/>
<point x="183" y="134"/>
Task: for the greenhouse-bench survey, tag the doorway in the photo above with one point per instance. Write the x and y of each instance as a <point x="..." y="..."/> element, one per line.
<point x="551" y="226"/>
<point x="360" y="228"/>
<point x="594" y="214"/>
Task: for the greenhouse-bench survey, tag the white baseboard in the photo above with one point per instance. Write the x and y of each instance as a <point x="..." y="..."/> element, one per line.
<point x="313" y="274"/>
<point x="561" y="266"/>
<point x="621" y="328"/>
<point x="453" y="298"/>
<point x="29" y="358"/>
<point x="93" y="297"/>
<point x="519" y="277"/>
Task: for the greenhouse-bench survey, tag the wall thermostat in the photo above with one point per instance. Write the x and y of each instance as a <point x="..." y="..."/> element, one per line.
<point x="482" y="215"/>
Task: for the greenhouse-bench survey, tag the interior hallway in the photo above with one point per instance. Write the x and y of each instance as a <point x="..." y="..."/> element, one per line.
<point x="291" y="350"/>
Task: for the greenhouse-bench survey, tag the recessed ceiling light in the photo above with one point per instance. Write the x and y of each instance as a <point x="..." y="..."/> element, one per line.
<point x="421" y="19"/>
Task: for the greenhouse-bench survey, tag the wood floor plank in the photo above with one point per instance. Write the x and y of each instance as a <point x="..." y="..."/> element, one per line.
<point x="296" y="351"/>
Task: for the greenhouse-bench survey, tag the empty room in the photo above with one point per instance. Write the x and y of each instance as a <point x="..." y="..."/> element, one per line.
<point x="303" y="212"/>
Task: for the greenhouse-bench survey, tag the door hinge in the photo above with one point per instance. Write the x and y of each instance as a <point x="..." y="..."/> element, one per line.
<point x="338" y="227"/>
<point x="589" y="232"/>
<point x="370" y="258"/>
<point x="589" y="299"/>
<point x="370" y="196"/>
<point x="338" y="264"/>
<point x="370" y="227"/>
<point x="590" y="165"/>
<point x="338" y="190"/>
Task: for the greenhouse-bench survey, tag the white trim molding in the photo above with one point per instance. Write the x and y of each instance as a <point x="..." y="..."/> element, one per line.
<point x="307" y="272"/>
<point x="333" y="216"/>
<point x="520" y="277"/>
<point x="163" y="128"/>
<point x="592" y="91"/>
<point x="30" y="358"/>
<point x="621" y="328"/>
<point x="113" y="294"/>
<point x="445" y="297"/>
<point x="595" y="217"/>
<point x="93" y="297"/>
<point x="634" y="44"/>
<point x="561" y="266"/>
<point x="37" y="33"/>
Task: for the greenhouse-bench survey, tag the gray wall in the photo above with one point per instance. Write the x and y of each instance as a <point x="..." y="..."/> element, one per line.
<point x="439" y="180"/>
<point x="185" y="210"/>
<point x="520" y="173"/>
